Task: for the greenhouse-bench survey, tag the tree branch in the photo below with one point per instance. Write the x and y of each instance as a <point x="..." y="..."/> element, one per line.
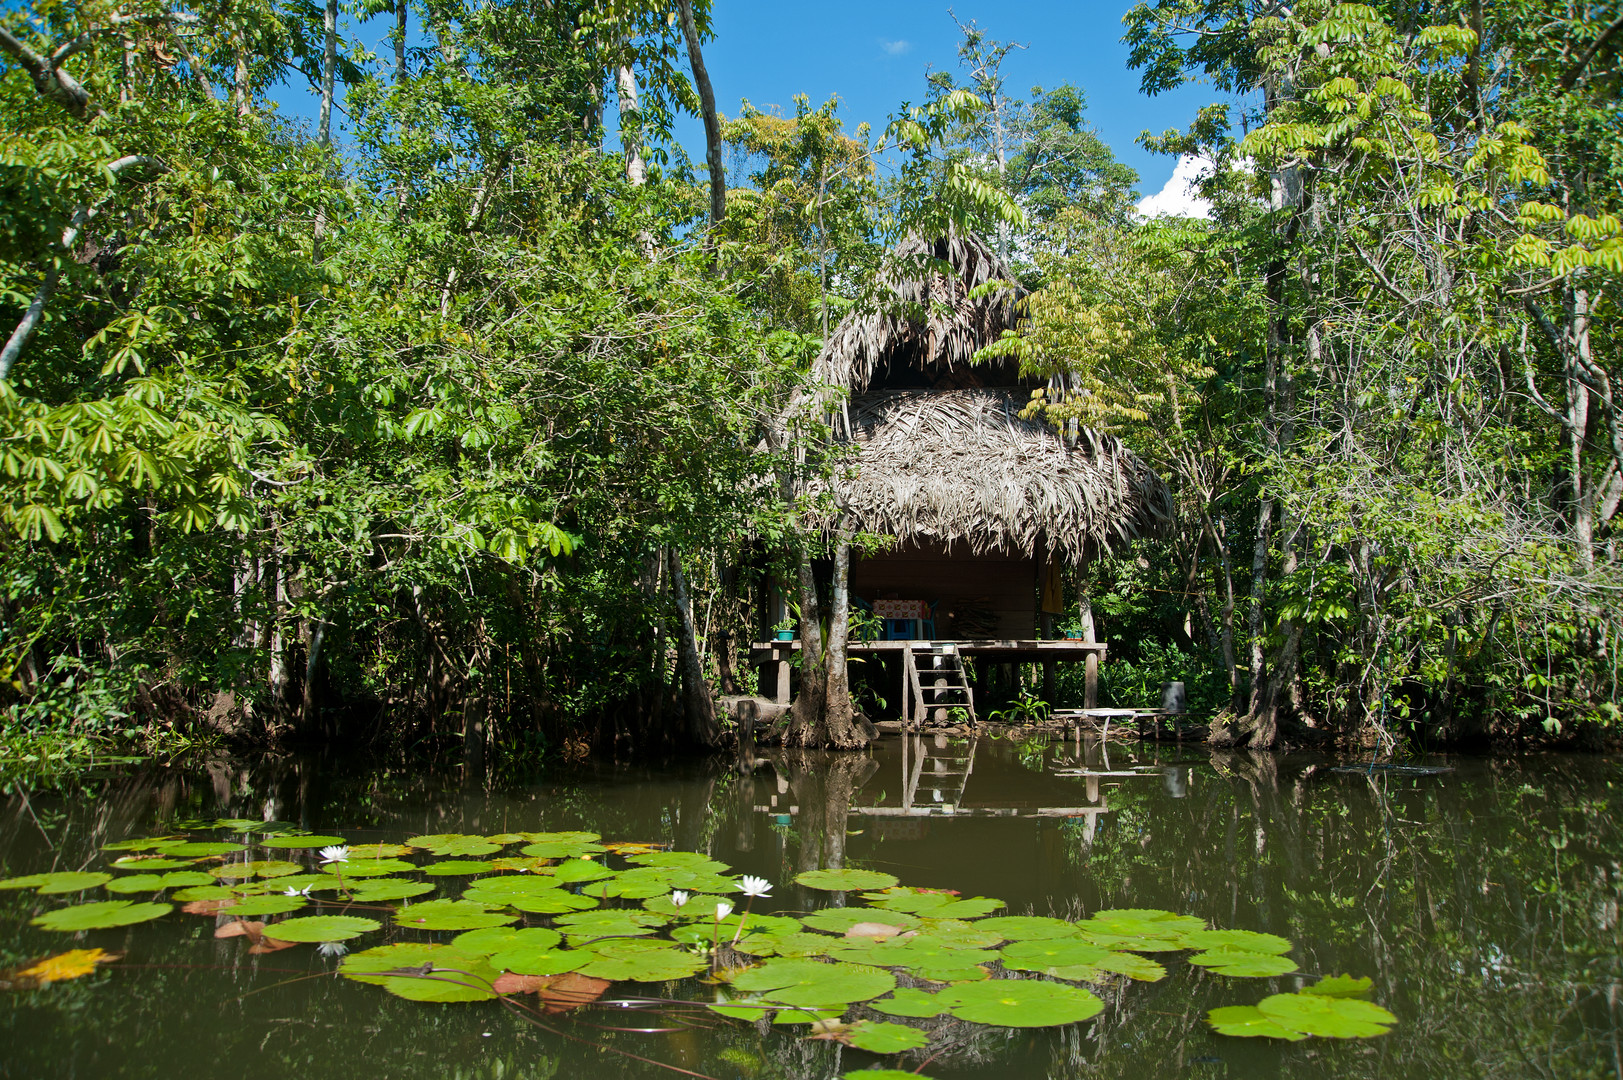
<point x="1570" y="77"/>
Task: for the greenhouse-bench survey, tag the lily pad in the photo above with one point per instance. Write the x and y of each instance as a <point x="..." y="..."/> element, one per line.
<point x="438" y="973"/>
<point x="140" y="883"/>
<point x="1020" y="1003"/>
<point x="454" y="844"/>
<point x="458" y="868"/>
<point x="881" y="1037"/>
<point x="1249" y="1022"/>
<point x="1046" y="954"/>
<point x="838" y="920"/>
<point x="814" y="985"/>
<point x="269" y="868"/>
<point x="1027" y="927"/>
<point x="792" y="944"/>
<point x="302" y="842"/>
<point x="911" y="1002"/>
<point x="379" y="851"/>
<point x="1238" y="941"/>
<point x="1327" y="1017"/>
<point x="493" y="939"/>
<point x="552" y="902"/>
<point x="321" y="928"/>
<point x="58" y="881"/>
<point x="539" y="959"/>
<point x="1243" y="965"/>
<point x="882" y="1074"/>
<point x="1340" y="986"/>
<point x="148" y="863"/>
<point x="201" y="848"/>
<point x="359" y="868"/>
<point x="846" y="880"/>
<point x="504" y="889"/>
<point x="645" y="965"/>
<point x="101" y="915"/>
<point x="561" y="849"/>
<point x="205" y="892"/>
<point x="264" y="905"/>
<point x="376" y="890"/>
<point x="1140" y="968"/>
<point x="141" y="843"/>
<point x="806" y="1016"/>
<point x="578" y="870"/>
<point x="450" y="915"/>
<point x="934" y="905"/>
<point x="597" y="924"/>
<point x="686" y="860"/>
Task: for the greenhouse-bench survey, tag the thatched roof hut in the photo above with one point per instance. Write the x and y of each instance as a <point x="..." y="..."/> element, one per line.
<point x="944" y="458"/>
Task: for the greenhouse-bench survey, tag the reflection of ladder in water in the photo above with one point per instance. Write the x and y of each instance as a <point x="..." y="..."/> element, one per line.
<point x="940" y="769"/>
<point x="935" y="683"/>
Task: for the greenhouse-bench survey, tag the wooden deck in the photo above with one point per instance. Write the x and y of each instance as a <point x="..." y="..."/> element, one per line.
<point x="773" y="656"/>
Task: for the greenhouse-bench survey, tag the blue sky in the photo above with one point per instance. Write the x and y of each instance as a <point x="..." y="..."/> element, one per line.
<point x="875" y="55"/>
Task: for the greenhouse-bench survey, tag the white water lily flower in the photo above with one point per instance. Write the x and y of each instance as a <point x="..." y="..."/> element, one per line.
<point x="723" y="910"/>
<point x="291" y="891"/>
<point x="756" y="886"/>
<point x="334" y="854"/>
<point x="678" y="898"/>
<point x="332" y="948"/>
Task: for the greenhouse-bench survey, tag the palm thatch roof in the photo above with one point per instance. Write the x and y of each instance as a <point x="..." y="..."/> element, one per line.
<point x="962" y="466"/>
<point x="922" y="319"/>
<point x="958" y="464"/>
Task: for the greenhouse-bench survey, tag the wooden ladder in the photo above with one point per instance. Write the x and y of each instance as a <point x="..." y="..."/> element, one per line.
<point x="935" y="684"/>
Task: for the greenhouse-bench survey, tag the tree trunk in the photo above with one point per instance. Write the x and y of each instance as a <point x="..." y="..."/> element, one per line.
<point x="699" y="708"/>
<point x="329" y="67"/>
<point x="707" y="107"/>
<point x="631" y="125"/>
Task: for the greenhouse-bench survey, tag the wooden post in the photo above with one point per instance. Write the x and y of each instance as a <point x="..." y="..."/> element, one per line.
<point x="1048" y="665"/>
<point x="1090" y="692"/>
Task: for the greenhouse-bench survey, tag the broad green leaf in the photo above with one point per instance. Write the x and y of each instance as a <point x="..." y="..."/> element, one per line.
<point x="1328" y="1017"/>
<point x="814" y="985"/>
<point x="101" y="915"/>
<point x="147" y="863"/>
<point x="379" y="851"/>
<point x="1020" y="1003"/>
<point x="1237" y="940"/>
<point x="458" y="868"/>
<point x="58" y="881"/>
<point x="646" y="965"/>
<point x="1247" y="1021"/>
<point x="911" y="1002"/>
<point x="1243" y="965"/>
<point x="1027" y="927"/>
<point x="450" y="915"/>
<point x="201" y="848"/>
<point x="596" y="924"/>
<point x="377" y="890"/>
<point x="302" y="842"/>
<point x="1045" y="954"/>
<point x="454" y="844"/>
<point x="538" y="959"/>
<point x="1340" y="986"/>
<point x="321" y="928"/>
<point x="175" y="879"/>
<point x="359" y="868"/>
<point x="437" y="973"/>
<point x="493" y="939"/>
<point x="845" y="880"/>
<point x="839" y="920"/>
<point x="268" y="868"/>
<point x="881" y="1037"/>
<point x="264" y="905"/>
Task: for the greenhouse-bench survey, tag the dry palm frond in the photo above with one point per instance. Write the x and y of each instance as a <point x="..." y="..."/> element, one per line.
<point x="963" y="466"/>
<point x="924" y="319"/>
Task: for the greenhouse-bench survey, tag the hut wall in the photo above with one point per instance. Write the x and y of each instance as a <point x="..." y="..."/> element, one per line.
<point x="954" y="579"/>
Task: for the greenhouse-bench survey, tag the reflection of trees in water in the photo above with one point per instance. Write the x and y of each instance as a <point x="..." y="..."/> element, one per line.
<point x="1484" y="903"/>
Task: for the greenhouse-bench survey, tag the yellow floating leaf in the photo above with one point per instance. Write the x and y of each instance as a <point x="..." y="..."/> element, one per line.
<point x="69" y="965"/>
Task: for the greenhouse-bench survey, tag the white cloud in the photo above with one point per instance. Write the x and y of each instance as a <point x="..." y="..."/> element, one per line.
<point x="895" y="48"/>
<point x="1178" y="198"/>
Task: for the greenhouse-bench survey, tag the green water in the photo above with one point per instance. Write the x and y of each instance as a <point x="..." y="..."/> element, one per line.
<point x="1482" y="901"/>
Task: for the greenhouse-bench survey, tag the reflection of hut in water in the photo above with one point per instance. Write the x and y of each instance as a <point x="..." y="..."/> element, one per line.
<point x="985" y="506"/>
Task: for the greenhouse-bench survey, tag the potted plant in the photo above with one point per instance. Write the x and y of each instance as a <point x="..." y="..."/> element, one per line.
<point x="784" y="630"/>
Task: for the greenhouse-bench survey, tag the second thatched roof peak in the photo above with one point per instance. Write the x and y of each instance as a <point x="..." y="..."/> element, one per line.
<point x="923" y="318"/>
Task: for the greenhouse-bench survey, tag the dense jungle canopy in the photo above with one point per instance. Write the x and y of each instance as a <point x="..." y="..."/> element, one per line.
<point x="484" y="425"/>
